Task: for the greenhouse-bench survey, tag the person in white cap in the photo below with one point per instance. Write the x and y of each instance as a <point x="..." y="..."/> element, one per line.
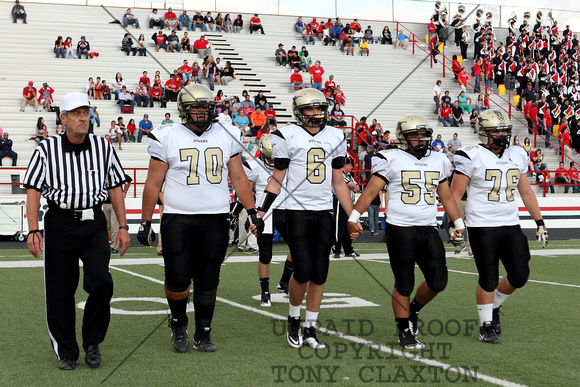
<point x="75" y="171"/>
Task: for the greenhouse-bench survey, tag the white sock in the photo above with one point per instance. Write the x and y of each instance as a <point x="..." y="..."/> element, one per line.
<point x="485" y="312"/>
<point x="311" y="318"/>
<point x="294" y="311"/>
<point x="499" y="298"/>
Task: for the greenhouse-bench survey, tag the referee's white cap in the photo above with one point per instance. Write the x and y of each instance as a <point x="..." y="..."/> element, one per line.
<point x="71" y="101"/>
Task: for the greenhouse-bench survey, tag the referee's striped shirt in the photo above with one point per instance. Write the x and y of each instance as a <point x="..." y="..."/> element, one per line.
<point x="75" y="174"/>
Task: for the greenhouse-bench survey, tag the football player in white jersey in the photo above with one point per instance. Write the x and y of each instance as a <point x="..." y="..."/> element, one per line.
<point x="414" y="175"/>
<point x="491" y="172"/>
<point x="259" y="172"/>
<point x="310" y="155"/>
<point x="194" y="158"/>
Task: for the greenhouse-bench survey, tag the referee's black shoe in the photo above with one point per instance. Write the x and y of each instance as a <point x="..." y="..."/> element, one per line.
<point x="67" y="364"/>
<point x="93" y="356"/>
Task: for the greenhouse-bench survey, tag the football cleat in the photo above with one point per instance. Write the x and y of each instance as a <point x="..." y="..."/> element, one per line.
<point x="495" y="321"/>
<point x="460" y="247"/>
<point x="202" y="341"/>
<point x="282" y="287"/>
<point x="408" y="340"/>
<point x="414" y="323"/>
<point x="354" y="254"/>
<point x="293" y="334"/>
<point x="312" y="339"/>
<point x="265" y="301"/>
<point x="487" y="333"/>
<point x="179" y="336"/>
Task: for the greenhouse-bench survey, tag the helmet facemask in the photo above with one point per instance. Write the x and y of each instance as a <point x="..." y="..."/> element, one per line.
<point x="423" y="143"/>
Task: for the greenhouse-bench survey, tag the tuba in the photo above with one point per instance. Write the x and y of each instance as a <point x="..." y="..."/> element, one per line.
<point x="539" y="17"/>
<point x="478" y="14"/>
<point x="439" y="7"/>
<point x="461" y="10"/>
<point x="488" y="17"/>
<point x="512" y="23"/>
<point x="527" y="16"/>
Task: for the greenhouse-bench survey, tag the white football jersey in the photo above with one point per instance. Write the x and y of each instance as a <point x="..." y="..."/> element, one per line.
<point x="197" y="179"/>
<point x="494" y="180"/>
<point x="309" y="174"/>
<point x="411" y="185"/>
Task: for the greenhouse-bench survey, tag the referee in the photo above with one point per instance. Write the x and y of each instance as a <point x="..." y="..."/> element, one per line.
<point x="74" y="171"/>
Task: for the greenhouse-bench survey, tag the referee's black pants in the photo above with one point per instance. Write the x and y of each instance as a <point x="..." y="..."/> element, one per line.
<point x="67" y="239"/>
<point x="341" y="236"/>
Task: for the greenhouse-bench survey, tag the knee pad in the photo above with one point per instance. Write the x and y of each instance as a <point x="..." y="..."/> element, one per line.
<point x="520" y="276"/>
<point x="488" y="284"/>
<point x="405" y="290"/>
<point x="176" y="293"/>
<point x="265" y="258"/>
<point x="437" y="281"/>
<point x="302" y="276"/>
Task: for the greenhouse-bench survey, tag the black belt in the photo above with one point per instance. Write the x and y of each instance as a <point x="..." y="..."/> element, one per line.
<point x="77" y="214"/>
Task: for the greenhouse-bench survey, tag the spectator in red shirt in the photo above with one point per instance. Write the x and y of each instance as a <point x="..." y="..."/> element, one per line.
<point x="146" y="81"/>
<point x="462" y="77"/>
<point x="330" y="83"/>
<point x="355" y="26"/>
<point x="170" y="19"/>
<point x="29" y="97"/>
<point x="562" y="177"/>
<point x="565" y="142"/>
<point x="45" y="98"/>
<point x="534" y="116"/>
<point x="172" y="87"/>
<point x="296" y="81"/>
<point x="156" y="94"/>
<point x="339" y="96"/>
<point x="456" y="67"/>
<point x="444" y="112"/>
<point x="256" y="24"/>
<point x="573" y="175"/>
<point x="316" y="73"/>
<point x="202" y="46"/>
<point x="185" y="72"/>
<point x="270" y="114"/>
<point x="161" y="41"/>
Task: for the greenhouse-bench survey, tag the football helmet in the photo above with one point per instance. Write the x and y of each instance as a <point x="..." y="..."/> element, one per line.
<point x="494" y="120"/>
<point x="193" y="96"/>
<point x="309" y="98"/>
<point x="265" y="147"/>
<point x="415" y="124"/>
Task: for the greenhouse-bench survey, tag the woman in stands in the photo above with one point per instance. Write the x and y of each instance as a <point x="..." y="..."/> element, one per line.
<point x="329" y="94"/>
<point x="386" y="38"/>
<point x="69" y="49"/>
<point x="59" y="47"/>
<point x="228" y="74"/>
<point x="238" y="24"/>
<point x="248" y="108"/>
<point x="91" y="88"/>
<point x="219" y="96"/>
<point x="527" y="145"/>
<point x="117" y="85"/>
<point x="339" y="96"/>
<point x="142" y="45"/>
<point x="228" y="25"/>
<point x="236" y="107"/>
<point x="337" y="116"/>
<point x="195" y="70"/>
<point x="131" y="130"/>
<point x="185" y="43"/>
<point x="219" y="23"/>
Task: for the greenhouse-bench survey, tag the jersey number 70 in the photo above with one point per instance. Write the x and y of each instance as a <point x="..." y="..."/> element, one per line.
<point x="214" y="162"/>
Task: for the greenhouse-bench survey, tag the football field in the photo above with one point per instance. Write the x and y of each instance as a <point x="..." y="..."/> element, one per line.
<point x="539" y="343"/>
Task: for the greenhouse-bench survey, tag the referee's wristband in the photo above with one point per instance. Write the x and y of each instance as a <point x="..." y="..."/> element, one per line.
<point x="458" y="224"/>
<point x="354" y="216"/>
<point x="125" y="227"/>
<point x="540" y="222"/>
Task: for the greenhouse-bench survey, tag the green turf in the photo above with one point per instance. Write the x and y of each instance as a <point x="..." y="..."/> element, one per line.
<point x="538" y="344"/>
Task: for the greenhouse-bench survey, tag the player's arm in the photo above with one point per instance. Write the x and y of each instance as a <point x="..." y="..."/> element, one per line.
<point x="531" y="203"/>
<point x="272" y="190"/>
<point x="341" y="190"/>
<point x="452" y="209"/>
<point x="374" y="186"/>
<point x="458" y="187"/>
<point x="34" y="241"/>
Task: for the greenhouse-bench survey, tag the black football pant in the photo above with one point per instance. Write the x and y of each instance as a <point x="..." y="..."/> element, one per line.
<point x="341" y="236"/>
<point x="67" y="239"/>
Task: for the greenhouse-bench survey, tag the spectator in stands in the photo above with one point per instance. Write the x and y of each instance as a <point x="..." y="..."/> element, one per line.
<point x="329" y="94"/>
<point x="530" y="93"/>
<point x="197" y="22"/>
<point x="386" y="38"/>
<point x="454" y="143"/>
<point x="126" y="98"/>
<point x="184" y="21"/>
<point x="161" y="41"/>
<point x="473" y="120"/>
<point x="248" y="100"/>
<point x="167" y="120"/>
<point x="68" y="48"/>
<point x="281" y="55"/>
<point x="305" y="60"/>
<point x="185" y="43"/>
<point x="438" y="144"/>
<point x="6" y="149"/>
<point x="296" y="81"/>
<point x="368" y="34"/>
<point x="202" y="46"/>
<point x="444" y="115"/>
<point x="141" y="95"/>
<point x="170" y="19"/>
<point x="464" y="102"/>
<point x="527" y="145"/>
<point x="462" y="78"/>
<point x="98" y="89"/>
<point x="29" y="97"/>
<point x="142" y="45"/>
<point x="195" y="73"/>
<point x="544" y="177"/>
<point x="364" y="47"/>
<point x="260" y="101"/>
<point x="437" y="96"/>
<point x="224" y="117"/>
<point x="83" y="47"/>
<point x="573" y="175"/>
<point x="293" y="59"/>
<point x="258" y="121"/>
<point x="242" y="122"/>
<point x="45" y="96"/>
<point x="40" y="133"/>
<point x="455" y="67"/>
<point x="156" y="95"/>
<point x="330" y="83"/>
<point x="227" y="74"/>
<point x="127" y="45"/>
<point x="131" y="129"/>
<point x="155" y="19"/>
<point x="516" y="141"/>
<point x="308" y="35"/>
<point x="185" y="71"/>
<point x="59" y="47"/>
<point x="456" y="115"/>
<point x="401" y="40"/>
<point x="299" y="25"/>
<point x="117" y="85"/>
<point x="173" y="41"/>
<point x="337" y="116"/>
<point x="209" y="22"/>
<point x="256" y="24"/>
<point x="106" y="91"/>
<point x="536" y="161"/>
<point x="348" y="46"/>
<point x="18" y="12"/>
<point x="270" y="114"/>
<point x="362" y="136"/>
<point x="446" y="98"/>
<point x="565" y="141"/>
<point x="129" y="18"/>
<point x="238" y="24"/>
<point x="546" y="126"/>
<point x="145" y="126"/>
<point x="316" y="73"/>
<point x="219" y="23"/>
<point x="172" y="87"/>
<point x="212" y="72"/>
<point x="90" y="88"/>
<point x="114" y="134"/>
<point x="339" y="96"/>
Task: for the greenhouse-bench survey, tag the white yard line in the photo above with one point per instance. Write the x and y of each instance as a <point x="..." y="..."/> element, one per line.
<point x="383" y="348"/>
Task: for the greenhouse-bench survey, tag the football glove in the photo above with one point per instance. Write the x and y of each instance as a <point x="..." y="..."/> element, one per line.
<point x="146" y="235"/>
<point x="542" y="233"/>
<point x="458" y="240"/>
<point x="233" y="222"/>
<point x="256" y="220"/>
